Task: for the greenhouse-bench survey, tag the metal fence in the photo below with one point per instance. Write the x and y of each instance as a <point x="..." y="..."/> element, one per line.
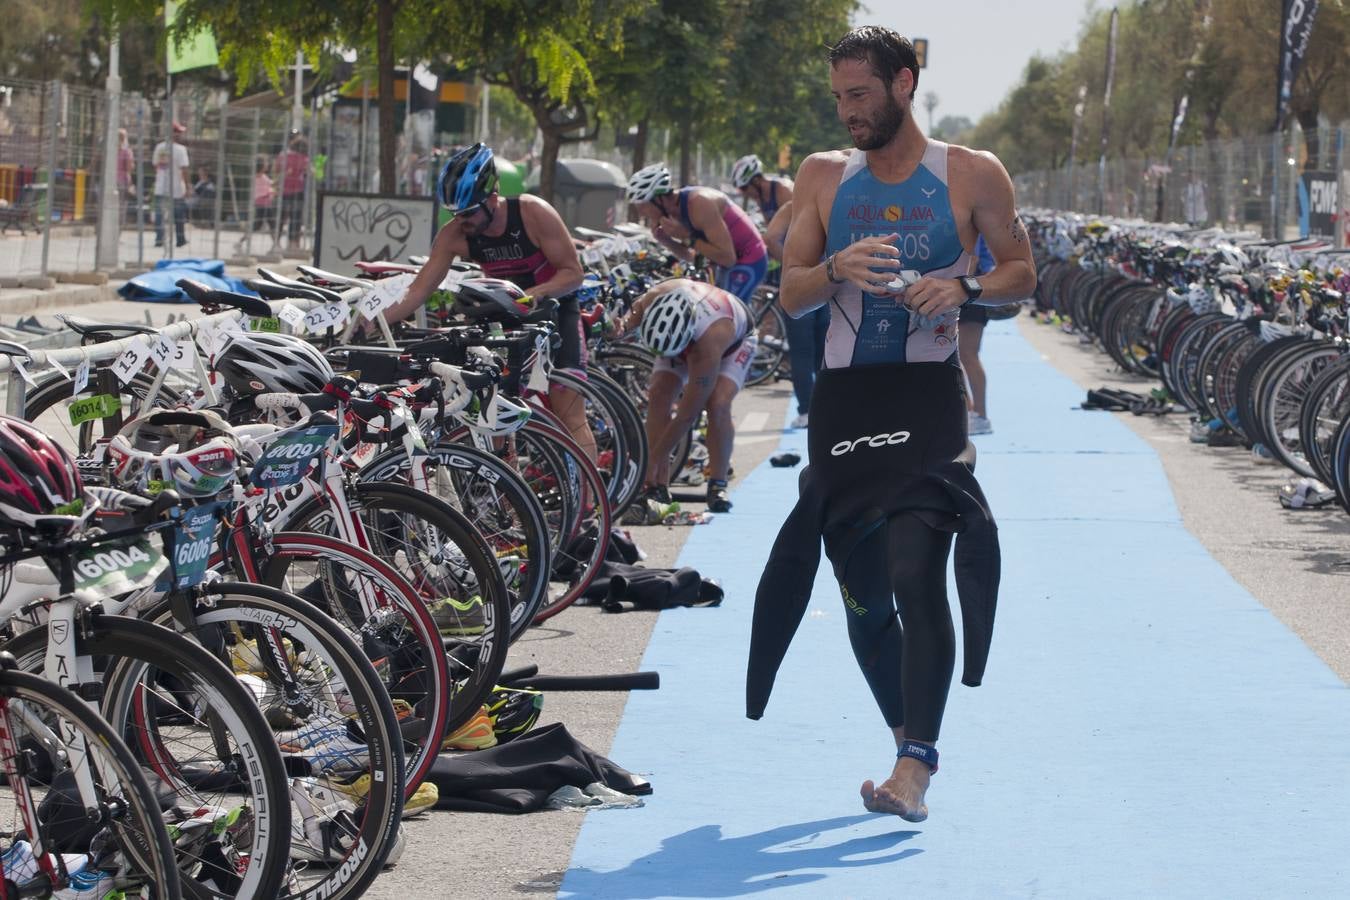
<point x="238" y="200"/>
<point x="245" y="196"/>
<point x="1251" y="184"/>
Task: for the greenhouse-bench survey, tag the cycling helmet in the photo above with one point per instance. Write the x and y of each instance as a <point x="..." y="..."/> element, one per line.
<point x="1201" y="299"/>
<point x="745" y="170"/>
<point x="258" y="362"/>
<point x="195" y="453"/>
<point x="667" y="326"/>
<point x="492" y="298"/>
<point x="467" y="179"/>
<point x="648" y="182"/>
<point x="39" y="484"/>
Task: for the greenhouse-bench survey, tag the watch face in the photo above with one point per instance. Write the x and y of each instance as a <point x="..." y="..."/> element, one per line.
<point x="972" y="285"/>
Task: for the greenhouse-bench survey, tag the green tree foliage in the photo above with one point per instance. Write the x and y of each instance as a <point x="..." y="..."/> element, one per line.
<point x="543" y="51"/>
<point x="738" y="76"/>
<point x="1230" y="88"/>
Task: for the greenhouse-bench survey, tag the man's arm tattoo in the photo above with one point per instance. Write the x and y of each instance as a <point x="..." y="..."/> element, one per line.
<point x="1019" y="231"/>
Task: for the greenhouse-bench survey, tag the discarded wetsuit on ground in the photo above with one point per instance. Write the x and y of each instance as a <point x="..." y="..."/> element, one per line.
<point x="884" y="440"/>
<point x="519" y="776"/>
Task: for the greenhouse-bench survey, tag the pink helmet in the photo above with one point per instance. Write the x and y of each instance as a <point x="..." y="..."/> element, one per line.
<point x="38" y="479"/>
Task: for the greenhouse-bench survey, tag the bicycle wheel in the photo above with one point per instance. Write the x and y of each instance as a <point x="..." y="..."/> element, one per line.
<point x="42" y="721"/>
<point x="189" y="721"/>
<point x="1281" y="403"/>
<point x="1326" y="406"/>
<point x="334" y="721"/>
<point x="771" y="351"/>
<point x="575" y="506"/>
<point x="48" y="406"/>
<point x="500" y="506"/>
<point x="451" y="568"/>
<point x="394" y="627"/>
<point x="611" y="442"/>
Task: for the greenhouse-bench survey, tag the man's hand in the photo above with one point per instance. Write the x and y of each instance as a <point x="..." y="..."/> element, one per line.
<point x="931" y="297"/>
<point x="673" y="228"/>
<point x="869" y="264"/>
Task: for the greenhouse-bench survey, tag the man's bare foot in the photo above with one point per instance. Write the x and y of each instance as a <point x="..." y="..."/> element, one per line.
<point x="903" y="793"/>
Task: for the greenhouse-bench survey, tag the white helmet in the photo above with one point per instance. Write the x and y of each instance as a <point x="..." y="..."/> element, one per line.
<point x="668" y="324"/>
<point x="745" y="170"/>
<point x="258" y="362"/>
<point x="648" y="182"/>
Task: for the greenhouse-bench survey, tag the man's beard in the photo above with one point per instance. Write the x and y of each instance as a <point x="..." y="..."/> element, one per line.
<point x="882" y="127"/>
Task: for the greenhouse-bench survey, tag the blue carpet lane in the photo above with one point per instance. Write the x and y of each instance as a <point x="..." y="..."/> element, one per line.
<point x="1146" y="728"/>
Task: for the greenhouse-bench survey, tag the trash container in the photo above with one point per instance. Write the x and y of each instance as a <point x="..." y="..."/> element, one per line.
<point x="586" y="192"/>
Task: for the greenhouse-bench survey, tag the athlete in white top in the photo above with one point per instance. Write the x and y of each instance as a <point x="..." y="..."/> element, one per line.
<point x="706" y="358"/>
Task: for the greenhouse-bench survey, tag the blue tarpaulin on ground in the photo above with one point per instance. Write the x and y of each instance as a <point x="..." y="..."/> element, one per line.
<point x="160" y="284"/>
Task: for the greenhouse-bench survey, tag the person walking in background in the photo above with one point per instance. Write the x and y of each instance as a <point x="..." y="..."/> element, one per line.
<point x="970" y="331"/>
<point x="292" y="170"/>
<point x="264" y="204"/>
<point x="126" y="166"/>
<point x="201" y="203"/>
<point x="805" y="334"/>
<point x="172" y="184"/>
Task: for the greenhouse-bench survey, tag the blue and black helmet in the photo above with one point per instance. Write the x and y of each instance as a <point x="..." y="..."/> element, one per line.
<point x="468" y="178"/>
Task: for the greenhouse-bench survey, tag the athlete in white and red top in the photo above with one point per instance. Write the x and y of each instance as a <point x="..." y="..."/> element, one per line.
<point x="705" y="341"/>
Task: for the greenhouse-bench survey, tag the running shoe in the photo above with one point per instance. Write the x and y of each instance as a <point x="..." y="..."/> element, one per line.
<point x="801" y="421"/>
<point x="21" y="866"/>
<point x="476" y="734"/>
<point x="323" y="827"/>
<point x="93" y="884"/>
<point x="513" y="711"/>
<point x="328" y="748"/>
<point x="423" y="799"/>
<point x="718" y="501"/>
<point x="458" y="618"/>
<point x="980" y="425"/>
<point x="245" y="659"/>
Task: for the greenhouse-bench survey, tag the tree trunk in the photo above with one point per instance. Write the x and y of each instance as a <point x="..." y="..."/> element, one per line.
<point x="640" y="143"/>
<point x="686" y="152"/>
<point x="548" y="158"/>
<point x="1312" y="139"/>
<point x="384" y="54"/>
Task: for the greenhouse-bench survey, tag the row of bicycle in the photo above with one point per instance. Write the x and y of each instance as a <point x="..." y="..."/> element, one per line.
<point x="256" y="577"/>
<point x="1248" y="335"/>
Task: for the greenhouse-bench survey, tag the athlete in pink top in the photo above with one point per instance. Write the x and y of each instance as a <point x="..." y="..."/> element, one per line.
<point x="700" y="220"/>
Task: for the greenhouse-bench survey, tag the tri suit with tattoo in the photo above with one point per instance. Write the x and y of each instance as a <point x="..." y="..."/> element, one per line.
<point x="883" y="236"/>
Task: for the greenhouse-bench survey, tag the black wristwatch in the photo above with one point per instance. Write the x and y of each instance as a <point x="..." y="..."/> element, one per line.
<point x="971" y="284"/>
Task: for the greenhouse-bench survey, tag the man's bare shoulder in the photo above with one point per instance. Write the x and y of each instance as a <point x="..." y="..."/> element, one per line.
<point x="964" y="161"/>
<point x="535" y="207"/>
<point x="821" y="164"/>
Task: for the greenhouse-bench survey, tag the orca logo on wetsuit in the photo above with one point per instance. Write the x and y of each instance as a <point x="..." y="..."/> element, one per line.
<point x="871" y="440"/>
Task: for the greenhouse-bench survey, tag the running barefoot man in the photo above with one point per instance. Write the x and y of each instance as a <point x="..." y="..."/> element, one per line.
<point x="903" y="203"/>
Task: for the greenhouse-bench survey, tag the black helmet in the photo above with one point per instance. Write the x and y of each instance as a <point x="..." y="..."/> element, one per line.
<point x="492" y="298"/>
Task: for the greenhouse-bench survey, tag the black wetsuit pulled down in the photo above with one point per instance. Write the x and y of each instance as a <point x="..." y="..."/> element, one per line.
<point x="890" y="480"/>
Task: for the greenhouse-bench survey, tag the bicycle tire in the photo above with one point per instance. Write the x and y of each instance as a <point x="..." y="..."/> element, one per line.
<point x="499" y="505"/>
<point x="149" y="846"/>
<point x="134" y="648"/>
<point x="304" y="624"/>
<point x="423" y="671"/>
<point x="461" y="567"/>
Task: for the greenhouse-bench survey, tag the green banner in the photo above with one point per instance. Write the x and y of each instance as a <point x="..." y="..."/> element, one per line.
<point x="195" y="50"/>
